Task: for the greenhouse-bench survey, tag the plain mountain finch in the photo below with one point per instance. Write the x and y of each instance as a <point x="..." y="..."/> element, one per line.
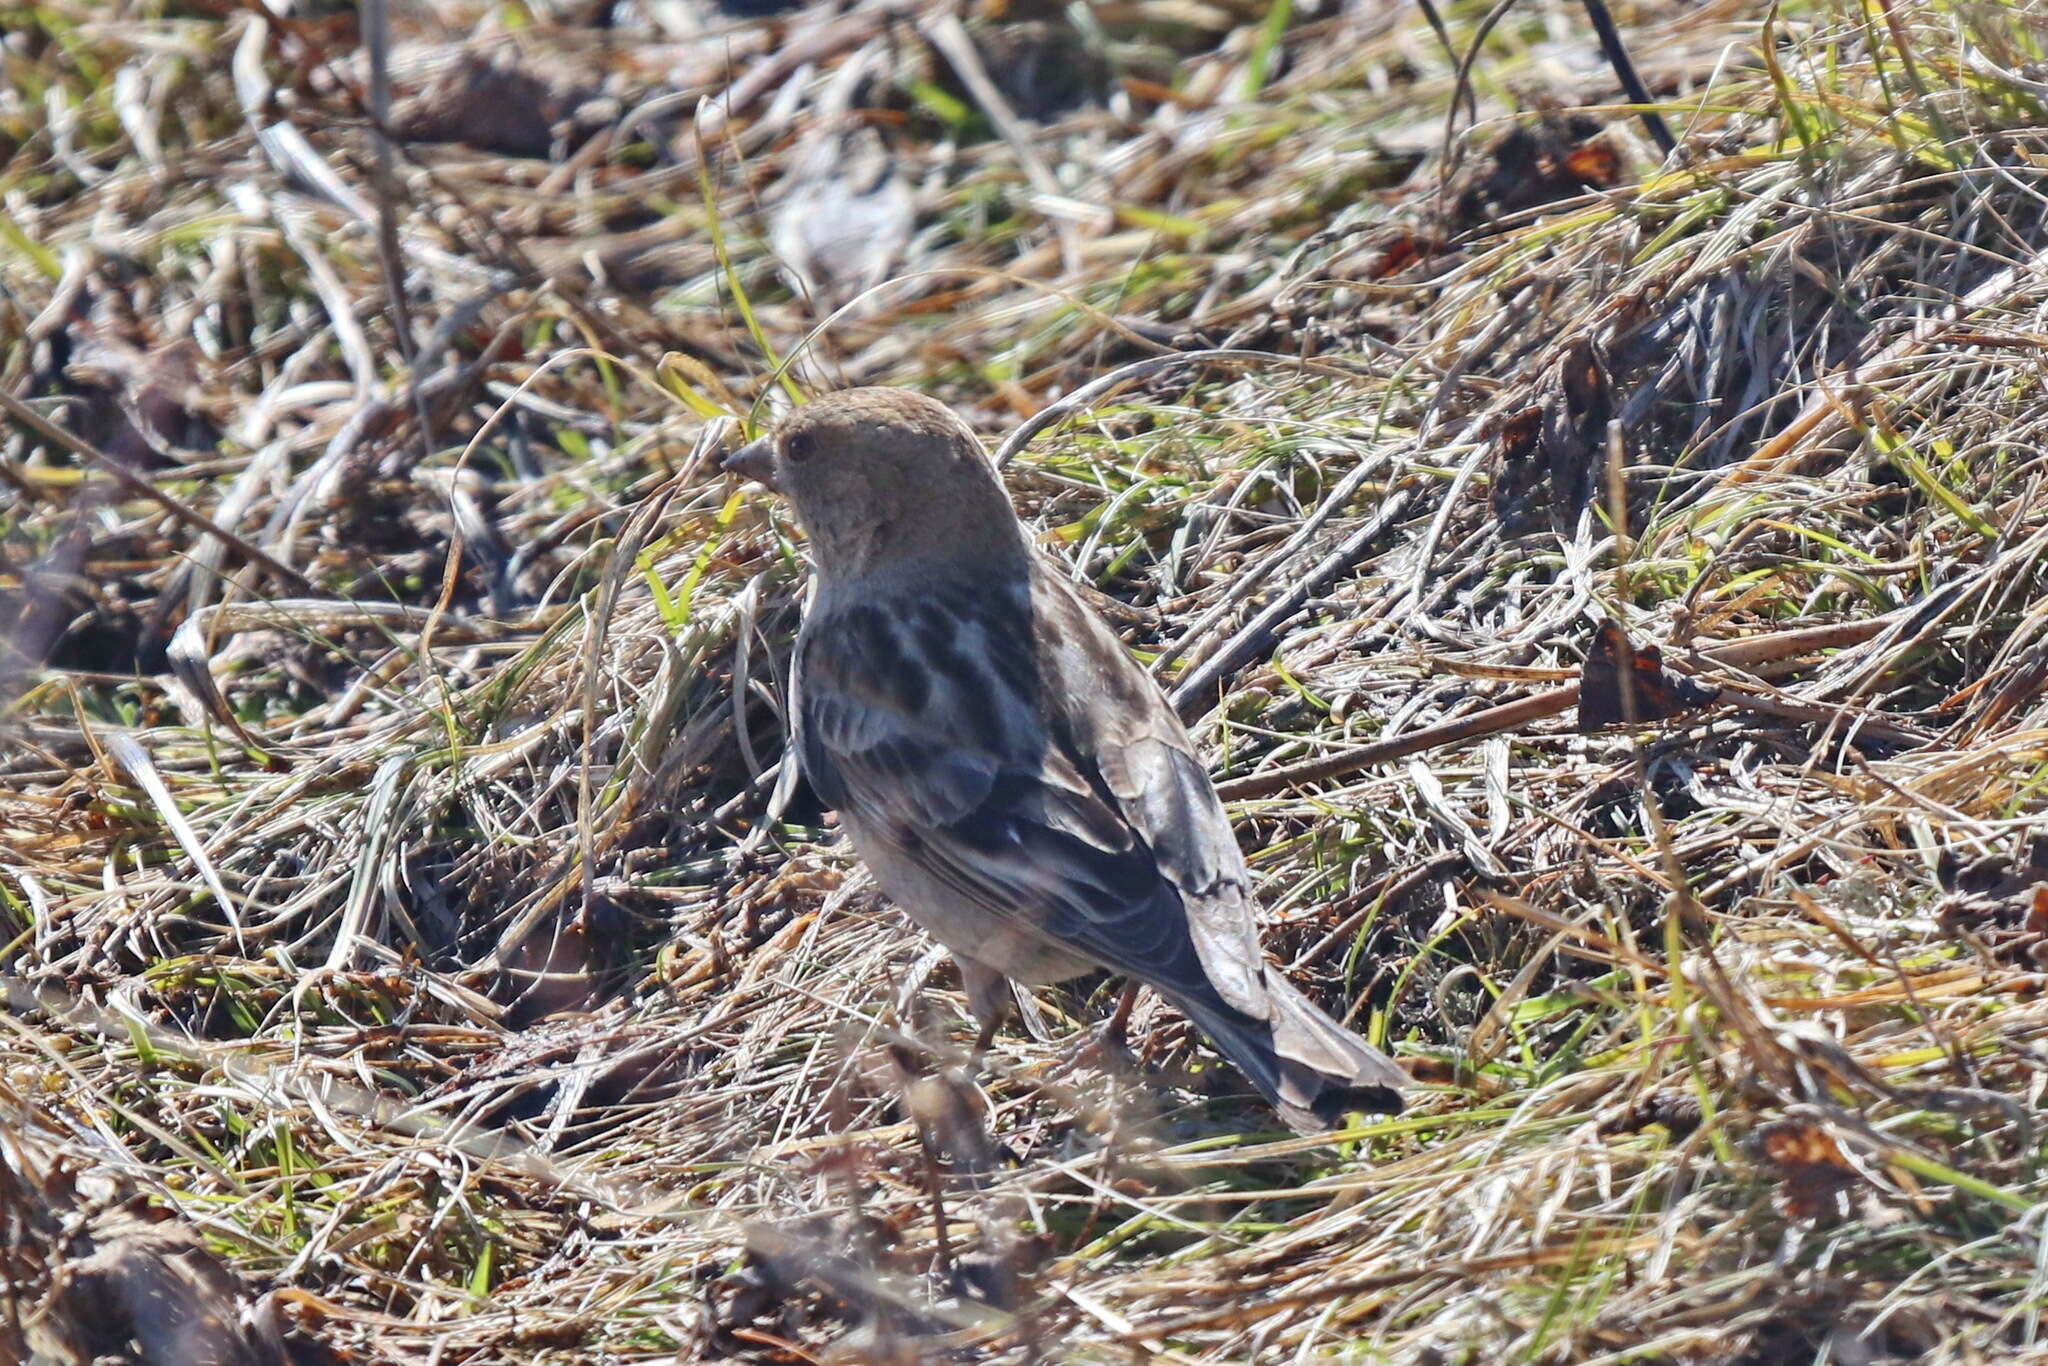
<point x="1013" y="779"/>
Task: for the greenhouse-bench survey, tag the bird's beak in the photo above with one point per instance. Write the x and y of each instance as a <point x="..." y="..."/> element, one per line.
<point x="755" y="461"/>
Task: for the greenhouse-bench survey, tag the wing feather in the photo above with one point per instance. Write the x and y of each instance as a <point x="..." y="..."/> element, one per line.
<point x="1013" y="744"/>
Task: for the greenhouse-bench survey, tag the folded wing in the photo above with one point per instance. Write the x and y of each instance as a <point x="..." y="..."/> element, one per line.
<point x="939" y="724"/>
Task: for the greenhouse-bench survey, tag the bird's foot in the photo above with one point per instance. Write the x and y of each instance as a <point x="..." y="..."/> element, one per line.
<point x="1103" y="1048"/>
<point x="1106" y="1047"/>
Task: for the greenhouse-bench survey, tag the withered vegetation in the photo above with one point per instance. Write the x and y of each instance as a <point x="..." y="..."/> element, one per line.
<point x="414" y="951"/>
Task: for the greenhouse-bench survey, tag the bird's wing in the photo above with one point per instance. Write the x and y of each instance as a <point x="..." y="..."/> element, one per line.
<point x="946" y="723"/>
<point x="1114" y="713"/>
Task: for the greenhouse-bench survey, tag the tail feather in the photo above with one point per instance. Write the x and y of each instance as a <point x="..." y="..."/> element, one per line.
<point x="1309" y="1067"/>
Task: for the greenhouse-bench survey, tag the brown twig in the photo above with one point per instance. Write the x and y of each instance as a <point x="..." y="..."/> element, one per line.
<point x="1513" y="715"/>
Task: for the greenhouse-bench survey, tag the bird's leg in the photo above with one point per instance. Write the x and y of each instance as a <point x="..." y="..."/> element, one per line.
<point x="1116" y="1029"/>
<point x="1107" y="1045"/>
<point x="983" y="1039"/>
<point x="988" y="996"/>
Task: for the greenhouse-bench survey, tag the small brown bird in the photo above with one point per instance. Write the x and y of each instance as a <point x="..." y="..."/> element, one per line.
<point x="1014" y="780"/>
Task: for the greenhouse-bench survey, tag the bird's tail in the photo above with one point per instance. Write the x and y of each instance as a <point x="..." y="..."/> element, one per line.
<point x="1312" y="1069"/>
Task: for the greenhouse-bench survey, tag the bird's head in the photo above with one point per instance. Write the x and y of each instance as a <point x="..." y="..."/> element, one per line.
<point x="885" y="481"/>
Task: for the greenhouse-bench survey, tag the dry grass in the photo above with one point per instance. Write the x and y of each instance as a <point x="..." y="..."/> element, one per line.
<point x="411" y="955"/>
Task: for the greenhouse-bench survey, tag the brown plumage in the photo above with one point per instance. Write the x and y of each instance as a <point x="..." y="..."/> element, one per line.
<point x="1016" y="783"/>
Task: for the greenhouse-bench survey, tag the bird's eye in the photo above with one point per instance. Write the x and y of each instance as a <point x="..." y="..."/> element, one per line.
<point x="798" y="447"/>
